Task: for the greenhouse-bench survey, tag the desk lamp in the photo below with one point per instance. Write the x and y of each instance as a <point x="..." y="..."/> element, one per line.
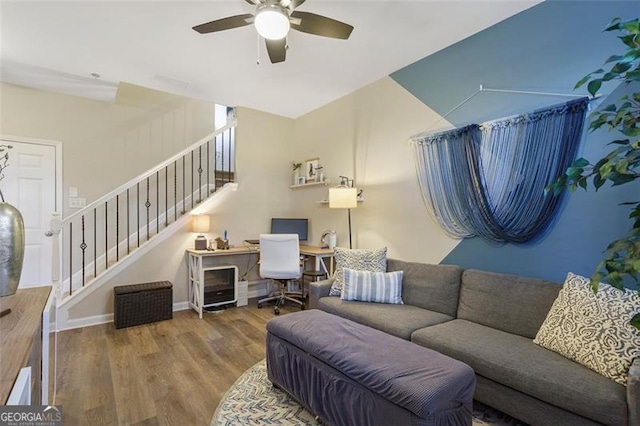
<point x="344" y="196"/>
<point x="200" y="225"/>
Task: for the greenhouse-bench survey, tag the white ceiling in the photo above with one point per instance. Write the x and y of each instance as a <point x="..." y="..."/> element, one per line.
<point x="56" y="45"/>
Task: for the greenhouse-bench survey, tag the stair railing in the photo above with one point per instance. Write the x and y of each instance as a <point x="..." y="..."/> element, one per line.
<point x="94" y="239"/>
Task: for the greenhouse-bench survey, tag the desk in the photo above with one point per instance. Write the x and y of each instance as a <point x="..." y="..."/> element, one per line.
<point x="319" y="254"/>
<point x="197" y="258"/>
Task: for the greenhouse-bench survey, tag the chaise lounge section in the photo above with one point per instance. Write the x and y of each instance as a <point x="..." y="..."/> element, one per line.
<point x="489" y="320"/>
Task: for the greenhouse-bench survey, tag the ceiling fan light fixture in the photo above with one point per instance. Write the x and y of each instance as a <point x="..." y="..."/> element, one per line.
<point x="272" y="22"/>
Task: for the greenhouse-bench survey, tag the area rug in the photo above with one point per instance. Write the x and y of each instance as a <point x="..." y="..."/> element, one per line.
<point x="252" y="400"/>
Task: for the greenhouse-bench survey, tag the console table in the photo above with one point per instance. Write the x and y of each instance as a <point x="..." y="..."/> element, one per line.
<point x="197" y="267"/>
<point x="21" y="343"/>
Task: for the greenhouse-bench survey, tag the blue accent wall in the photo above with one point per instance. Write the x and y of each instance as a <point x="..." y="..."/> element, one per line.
<point x="546" y="48"/>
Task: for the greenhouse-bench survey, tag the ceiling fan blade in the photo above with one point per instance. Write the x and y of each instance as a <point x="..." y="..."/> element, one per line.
<point x="291" y="4"/>
<point x="321" y="25"/>
<point x="277" y="50"/>
<point x="224" y="24"/>
<point x="253" y="2"/>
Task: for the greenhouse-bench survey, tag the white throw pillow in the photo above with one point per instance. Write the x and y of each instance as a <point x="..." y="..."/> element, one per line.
<point x="593" y="329"/>
<point x="373" y="260"/>
<point x="379" y="287"/>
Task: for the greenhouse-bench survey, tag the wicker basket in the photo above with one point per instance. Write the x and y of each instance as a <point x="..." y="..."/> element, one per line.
<point x="142" y="303"/>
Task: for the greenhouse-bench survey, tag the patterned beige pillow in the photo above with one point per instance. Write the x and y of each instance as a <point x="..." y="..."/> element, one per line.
<point x="372" y="260"/>
<point x="593" y="329"/>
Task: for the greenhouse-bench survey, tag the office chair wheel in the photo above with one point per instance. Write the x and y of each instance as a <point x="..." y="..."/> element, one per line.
<point x="259" y="306"/>
<point x="276" y="311"/>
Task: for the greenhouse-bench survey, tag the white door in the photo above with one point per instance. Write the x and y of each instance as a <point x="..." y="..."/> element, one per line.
<point x="29" y="185"/>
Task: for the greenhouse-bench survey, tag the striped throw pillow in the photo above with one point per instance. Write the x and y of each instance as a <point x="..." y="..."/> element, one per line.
<point x="374" y="260"/>
<point x="379" y="287"/>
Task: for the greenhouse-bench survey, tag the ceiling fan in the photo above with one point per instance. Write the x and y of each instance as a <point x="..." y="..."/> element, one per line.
<point x="273" y="19"/>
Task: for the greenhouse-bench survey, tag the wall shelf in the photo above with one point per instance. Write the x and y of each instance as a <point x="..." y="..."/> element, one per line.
<point x="305" y="185"/>
<point x="360" y="200"/>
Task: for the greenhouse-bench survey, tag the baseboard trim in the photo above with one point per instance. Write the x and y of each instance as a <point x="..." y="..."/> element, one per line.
<point x="182" y="306"/>
<point x="106" y="318"/>
<point x="86" y="322"/>
<point x="256" y="289"/>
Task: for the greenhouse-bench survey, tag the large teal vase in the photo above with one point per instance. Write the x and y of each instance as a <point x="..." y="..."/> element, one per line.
<point x="11" y="248"/>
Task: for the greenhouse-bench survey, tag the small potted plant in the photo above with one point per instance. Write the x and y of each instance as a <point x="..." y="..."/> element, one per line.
<point x="295" y="168"/>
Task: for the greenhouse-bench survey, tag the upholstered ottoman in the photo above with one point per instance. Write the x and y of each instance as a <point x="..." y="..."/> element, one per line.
<point x="350" y="374"/>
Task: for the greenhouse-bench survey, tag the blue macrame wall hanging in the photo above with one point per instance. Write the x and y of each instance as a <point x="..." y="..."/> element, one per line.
<point x="489" y="179"/>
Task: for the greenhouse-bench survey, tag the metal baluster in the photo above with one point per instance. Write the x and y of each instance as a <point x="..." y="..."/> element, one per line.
<point x="128" y="227"/>
<point x="229" y="156"/>
<point x="175" y="190"/>
<point x="147" y="205"/>
<point x="231" y="142"/>
<point x="157" y="202"/>
<point x="215" y="163"/>
<point x="138" y="212"/>
<point x="166" y="196"/>
<point x="224" y="178"/>
<point x="95" y="242"/>
<point x="83" y="247"/>
<point x="222" y="167"/>
<point x="199" y="174"/>
<point x="117" y="227"/>
<point x="208" y="161"/>
<point x="184" y="193"/>
<point x="70" y="258"/>
<point x="106" y="236"/>
<point x="191" y="180"/>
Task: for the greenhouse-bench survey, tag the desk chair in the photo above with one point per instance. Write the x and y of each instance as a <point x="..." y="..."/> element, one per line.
<point x="280" y="261"/>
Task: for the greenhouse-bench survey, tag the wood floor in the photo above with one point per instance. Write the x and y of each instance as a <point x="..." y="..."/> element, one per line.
<point x="167" y="373"/>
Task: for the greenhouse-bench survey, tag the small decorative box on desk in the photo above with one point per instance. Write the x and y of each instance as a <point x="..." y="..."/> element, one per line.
<point x="142" y="303"/>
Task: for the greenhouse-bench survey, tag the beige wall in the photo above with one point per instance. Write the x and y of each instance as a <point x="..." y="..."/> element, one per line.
<point x="365" y="136"/>
<point x="105" y="144"/>
<point x="263" y="192"/>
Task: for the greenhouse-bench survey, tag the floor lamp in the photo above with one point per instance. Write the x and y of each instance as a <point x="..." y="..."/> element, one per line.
<point x="344" y="197"/>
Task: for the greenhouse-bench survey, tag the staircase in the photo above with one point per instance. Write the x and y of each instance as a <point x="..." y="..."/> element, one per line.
<point x="93" y="244"/>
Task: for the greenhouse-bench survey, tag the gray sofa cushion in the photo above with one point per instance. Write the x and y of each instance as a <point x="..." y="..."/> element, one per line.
<point x="317" y="290"/>
<point x="397" y="320"/>
<point x="525" y="407"/>
<point x="509" y="303"/>
<point x="433" y="287"/>
<point x="520" y="364"/>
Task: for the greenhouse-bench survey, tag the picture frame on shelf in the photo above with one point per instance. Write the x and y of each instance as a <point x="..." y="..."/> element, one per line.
<point x="300" y="180"/>
<point x="310" y="172"/>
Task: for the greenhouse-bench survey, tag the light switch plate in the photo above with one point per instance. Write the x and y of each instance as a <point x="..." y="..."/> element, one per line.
<point x="77" y="203"/>
<point x="73" y="191"/>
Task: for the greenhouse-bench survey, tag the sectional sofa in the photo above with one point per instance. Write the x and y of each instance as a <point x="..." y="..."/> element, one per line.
<point x="489" y="321"/>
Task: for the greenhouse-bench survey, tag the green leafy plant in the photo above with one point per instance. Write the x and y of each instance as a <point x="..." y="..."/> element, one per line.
<point x="622" y="164"/>
<point x="4" y="163"/>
